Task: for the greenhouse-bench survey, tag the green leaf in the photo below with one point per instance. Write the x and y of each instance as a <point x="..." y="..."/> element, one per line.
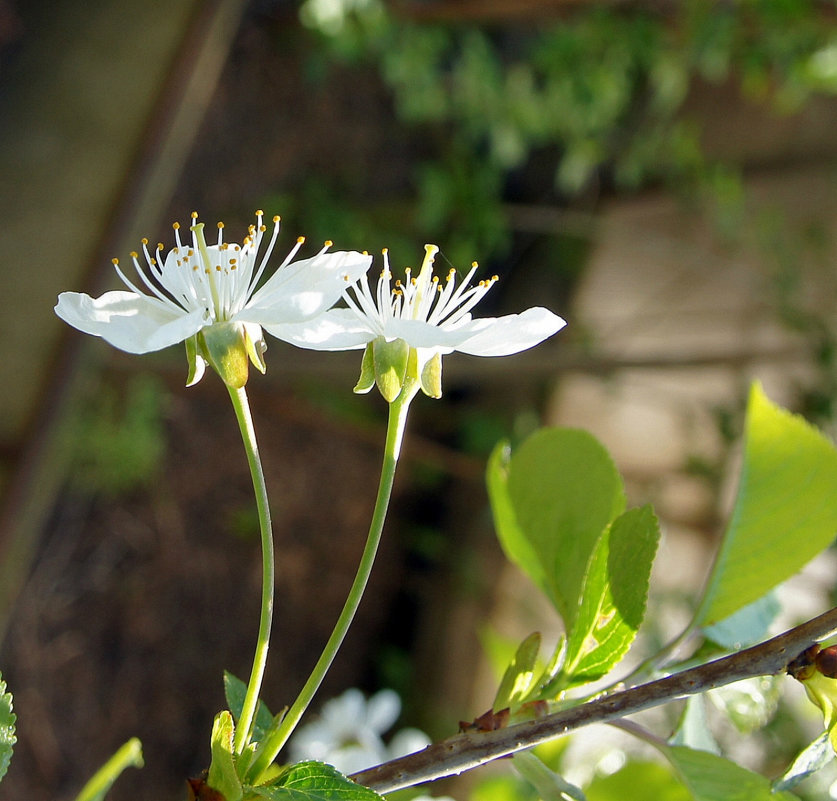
<point x="614" y="596"/>
<point x="550" y="786"/>
<point x="785" y="511"/>
<point x="746" y="627"/>
<point x="128" y="756"/>
<point x="693" y="728"/>
<point x="638" y="781"/>
<point x="712" y="778"/>
<point x="551" y="501"/>
<point x="7" y="728"/>
<point x="313" y="781"/>
<point x="222" y="773"/>
<point x="235" y="690"/>
<point x="520" y="675"/>
<point x="811" y="759"/>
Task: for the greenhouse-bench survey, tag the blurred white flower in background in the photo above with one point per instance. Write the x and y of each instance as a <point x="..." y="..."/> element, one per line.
<point x="348" y="732"/>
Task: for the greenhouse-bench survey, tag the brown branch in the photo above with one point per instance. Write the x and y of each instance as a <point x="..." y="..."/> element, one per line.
<point x="472" y="749"/>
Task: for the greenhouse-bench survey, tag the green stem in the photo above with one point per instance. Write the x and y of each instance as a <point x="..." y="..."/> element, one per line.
<point x="251" y="698"/>
<point x="273" y="743"/>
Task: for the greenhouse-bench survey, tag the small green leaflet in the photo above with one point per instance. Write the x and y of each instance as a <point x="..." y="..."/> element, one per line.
<point x="313" y="781"/>
<point x="520" y="675"/>
<point x="7" y="728"/>
<point x="222" y="773"/>
<point x="613" y="597"/>
<point x="785" y="512"/>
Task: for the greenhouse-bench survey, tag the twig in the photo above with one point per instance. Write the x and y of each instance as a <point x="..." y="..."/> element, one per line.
<point x="472" y="749"/>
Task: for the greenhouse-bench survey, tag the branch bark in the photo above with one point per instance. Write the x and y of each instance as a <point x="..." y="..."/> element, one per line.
<point x="470" y="750"/>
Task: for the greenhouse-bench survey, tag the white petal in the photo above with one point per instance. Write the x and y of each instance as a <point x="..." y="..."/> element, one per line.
<point x="382" y="710"/>
<point x="419" y="334"/>
<point x="128" y="321"/>
<point x="304" y="289"/>
<point x="336" y="329"/>
<point x="513" y="333"/>
<point x="407" y="741"/>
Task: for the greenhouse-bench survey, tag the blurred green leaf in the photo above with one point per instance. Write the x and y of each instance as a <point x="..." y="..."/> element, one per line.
<point x="712" y="778"/>
<point x="7" y="728"/>
<point x="811" y="759"/>
<point x="748" y="626"/>
<point x="638" y="781"/>
<point x="128" y="756"/>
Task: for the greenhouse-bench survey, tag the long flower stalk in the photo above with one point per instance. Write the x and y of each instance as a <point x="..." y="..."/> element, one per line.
<point x="251" y="698"/>
<point x="272" y="745"/>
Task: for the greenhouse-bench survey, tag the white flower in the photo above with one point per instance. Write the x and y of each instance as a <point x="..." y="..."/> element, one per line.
<point x="348" y="733"/>
<point x="196" y="288"/>
<point x="431" y="319"/>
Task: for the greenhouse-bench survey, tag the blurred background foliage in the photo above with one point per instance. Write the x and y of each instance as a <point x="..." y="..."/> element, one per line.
<point x="561" y="112"/>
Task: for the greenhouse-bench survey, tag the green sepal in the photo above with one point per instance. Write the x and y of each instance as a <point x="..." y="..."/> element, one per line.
<point x="431" y="376"/>
<point x="390" y="364"/>
<point x="222" y="773"/>
<point x="367" y="371"/>
<point x="225" y="350"/>
<point x="197" y="365"/>
<point x="255" y="346"/>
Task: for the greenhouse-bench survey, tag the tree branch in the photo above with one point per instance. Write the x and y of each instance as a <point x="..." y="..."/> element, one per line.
<point x="472" y="749"/>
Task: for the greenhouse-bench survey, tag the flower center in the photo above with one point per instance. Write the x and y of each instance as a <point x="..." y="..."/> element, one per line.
<point x="218" y="278"/>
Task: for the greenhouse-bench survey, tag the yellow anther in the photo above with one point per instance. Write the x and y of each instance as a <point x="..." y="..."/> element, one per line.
<point x="263" y="228"/>
<point x="114" y="262"/>
<point x="134" y="254"/>
<point x="259" y="213"/>
<point x="276" y="218"/>
<point x="153" y="262"/>
<point x="220" y="225"/>
<point x="144" y="241"/>
<point x="194" y="215"/>
<point x="300" y="240"/>
<point x="474" y="264"/>
<point x="328" y="243"/>
<point x="176" y="226"/>
<point x="385" y="251"/>
<point x="160" y="246"/>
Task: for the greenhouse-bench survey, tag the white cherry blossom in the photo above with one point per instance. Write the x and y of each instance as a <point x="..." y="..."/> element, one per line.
<point x="430" y="316"/>
<point x="196" y="287"/>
